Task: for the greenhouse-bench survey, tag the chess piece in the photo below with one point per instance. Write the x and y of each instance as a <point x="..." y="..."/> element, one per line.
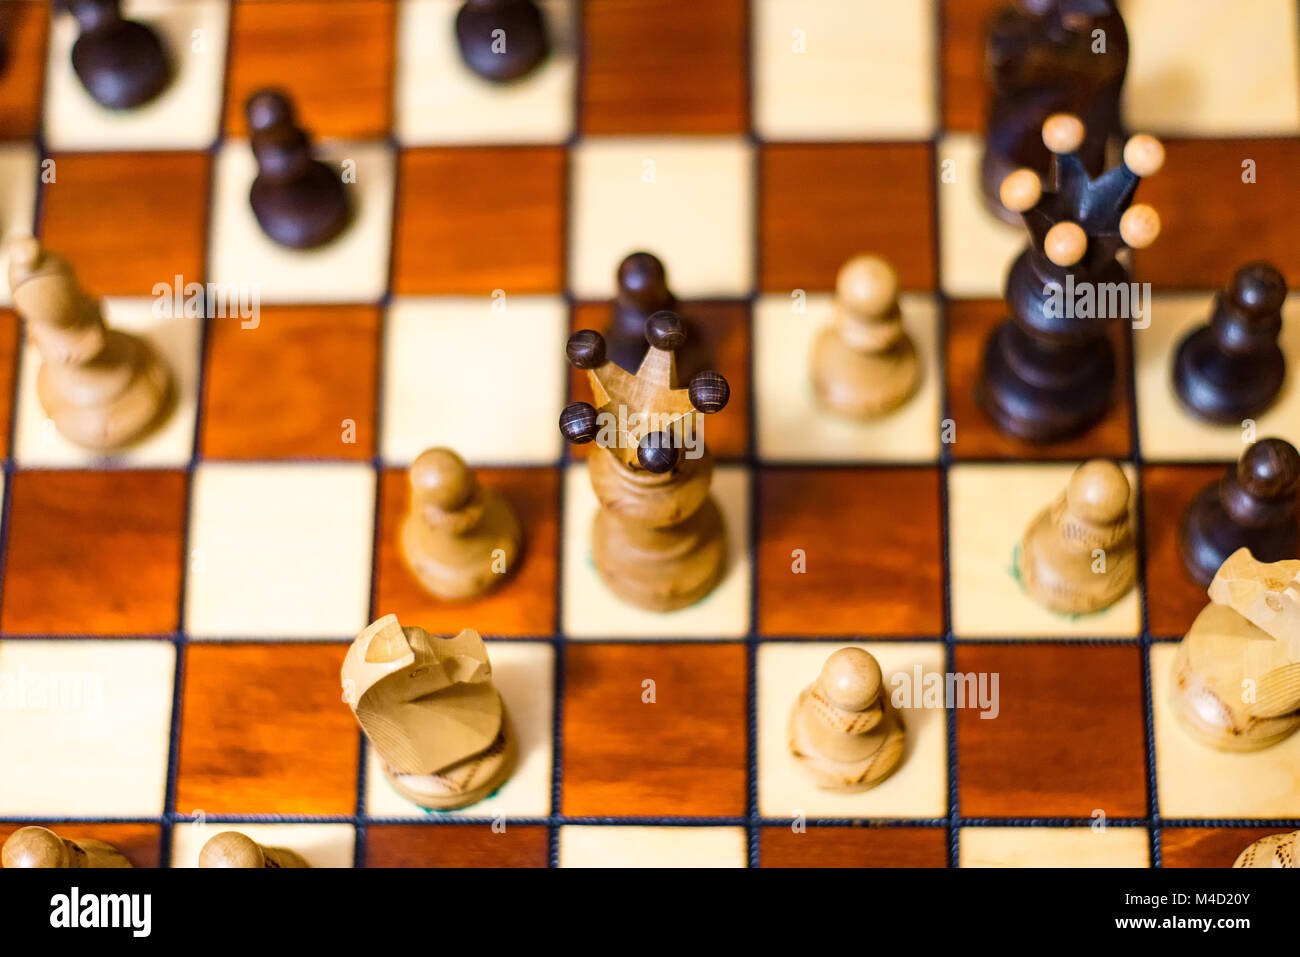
<point x="843" y="729"/>
<point x="643" y="291"/>
<point x="1232" y="368"/>
<point x="121" y="63"/>
<point x="1276" y="850"/>
<point x="233" y="849"/>
<point x="1078" y="555"/>
<point x="1045" y="57"/>
<point x="1236" y="678"/>
<point x="102" y="387"/>
<point x="501" y="40"/>
<point x="864" y="364"/>
<point x="1048" y="372"/>
<point x="299" y="201"/>
<point x="459" y="539"/>
<point x="658" y="540"/>
<point x="41" y="847"/>
<point x="1253" y="506"/>
<point x="430" y="710"/>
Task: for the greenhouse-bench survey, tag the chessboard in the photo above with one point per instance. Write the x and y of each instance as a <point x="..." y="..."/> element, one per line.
<point x="173" y="619"/>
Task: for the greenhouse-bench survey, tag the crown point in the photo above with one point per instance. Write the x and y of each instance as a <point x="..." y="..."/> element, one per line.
<point x="585" y="349"/>
<point x="665" y="330"/>
<point x="1139" y="226"/>
<point x="1062" y="132"/>
<point x="709" y="392"/>
<point x="578" y="423"/>
<point x="1065" y="243"/>
<point x="1144" y="154"/>
<point x="1021" y="190"/>
<point x="656" y="452"/>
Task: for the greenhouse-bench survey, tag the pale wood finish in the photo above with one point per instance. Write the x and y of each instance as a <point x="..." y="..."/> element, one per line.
<point x="41" y="847"/>
<point x="233" y="849"/>
<point x="1274" y="851"/>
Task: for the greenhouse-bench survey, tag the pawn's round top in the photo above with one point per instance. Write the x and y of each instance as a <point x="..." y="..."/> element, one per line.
<point x="585" y="349"/>
<point x="94" y="14"/>
<point x="1098" y="492"/>
<point x="232" y="849"/>
<point x="1063" y="132"/>
<point x="851" y="679"/>
<point x="867" y="284"/>
<point x="268" y="109"/>
<point x="1144" y="154"/>
<point x="1259" y="287"/>
<point x="642" y="279"/>
<point x="1270" y="469"/>
<point x="24" y="251"/>
<point x="34" y="847"/>
<point x="442" y="478"/>
<point x="665" y="330"/>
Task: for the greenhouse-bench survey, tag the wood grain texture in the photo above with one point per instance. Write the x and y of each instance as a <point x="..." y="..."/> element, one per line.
<point x="471" y="220"/>
<point x="969" y="324"/>
<point x="22" y="81"/>
<point x="285" y="388"/>
<point x="1173" y="598"/>
<point x="158" y="200"/>
<point x="94" y="552"/>
<point x="727" y="326"/>
<point x="416" y="845"/>
<point x="523" y="605"/>
<point x="683" y="754"/>
<point x="872" y="541"/>
<point x="1068" y="739"/>
<point x="140" y="843"/>
<point x="854" y="847"/>
<point x="1212" y="222"/>
<point x="1208" y="846"/>
<point x="661" y="66"/>
<point x="9" y="327"/>
<point x="265" y="731"/>
<point x="822" y="204"/>
<point x="348" y="93"/>
<point x="962" y="42"/>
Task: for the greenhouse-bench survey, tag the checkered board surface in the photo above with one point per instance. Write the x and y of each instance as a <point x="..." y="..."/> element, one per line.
<point x="191" y="601"/>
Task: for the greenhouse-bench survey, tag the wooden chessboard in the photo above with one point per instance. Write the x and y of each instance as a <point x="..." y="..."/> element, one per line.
<point x="174" y="619"/>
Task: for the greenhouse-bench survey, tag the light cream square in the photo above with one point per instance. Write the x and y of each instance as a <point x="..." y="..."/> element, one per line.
<point x="793" y="427"/>
<point x="844" y="69"/>
<point x="688" y="200"/>
<point x="280" y="550"/>
<point x="179" y="342"/>
<point x="19" y="165"/>
<point x="352" y="267"/>
<point x="1209" y="68"/>
<point x="323" y="845"/>
<point x="86" y="727"/>
<point x="1054" y="847"/>
<point x="591" y="610"/>
<point x="676" y="847"/>
<point x="441" y="101"/>
<point x="989" y="508"/>
<point x="484" y="380"/>
<point x="918" y="788"/>
<point x="975" y="248"/>
<point x="1195" y="781"/>
<point x="1170" y="433"/>
<point x="524" y="673"/>
<point x="185" y="115"/>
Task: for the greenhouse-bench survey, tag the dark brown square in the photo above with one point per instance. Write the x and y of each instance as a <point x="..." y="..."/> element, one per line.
<point x="9" y="325"/>
<point x="334" y="57"/>
<point x="681" y="754"/>
<point x="870" y="541"/>
<point x="661" y="66"/>
<point x="854" y="847"/>
<point x="1068" y="737"/>
<point x="22" y="81"/>
<point x="1208" y="846"/>
<point x="823" y="204"/>
<point x="970" y="322"/>
<point x="127" y="221"/>
<point x="422" y="845"/>
<point x="523" y="604"/>
<point x="265" y="731"/>
<point x="472" y="220"/>
<point x="964" y="36"/>
<point x="139" y="843"/>
<point x="1173" y="598"/>
<point x="300" y="383"/>
<point x="96" y="553"/>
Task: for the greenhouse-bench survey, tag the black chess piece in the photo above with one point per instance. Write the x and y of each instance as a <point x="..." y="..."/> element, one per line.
<point x="1232" y="368"/>
<point x="643" y="291"/>
<point x="121" y="63"/>
<point x="1045" y="57"/>
<point x="1253" y="506"/>
<point x="501" y="40"/>
<point x="299" y="201"/>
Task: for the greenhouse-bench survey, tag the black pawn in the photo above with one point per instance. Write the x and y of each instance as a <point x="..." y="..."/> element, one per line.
<point x="643" y="291"/>
<point x="1253" y="506"/>
<point x="1232" y="368"/>
<point x="121" y="63"/>
<point x="299" y="201"/>
<point x="501" y="40"/>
